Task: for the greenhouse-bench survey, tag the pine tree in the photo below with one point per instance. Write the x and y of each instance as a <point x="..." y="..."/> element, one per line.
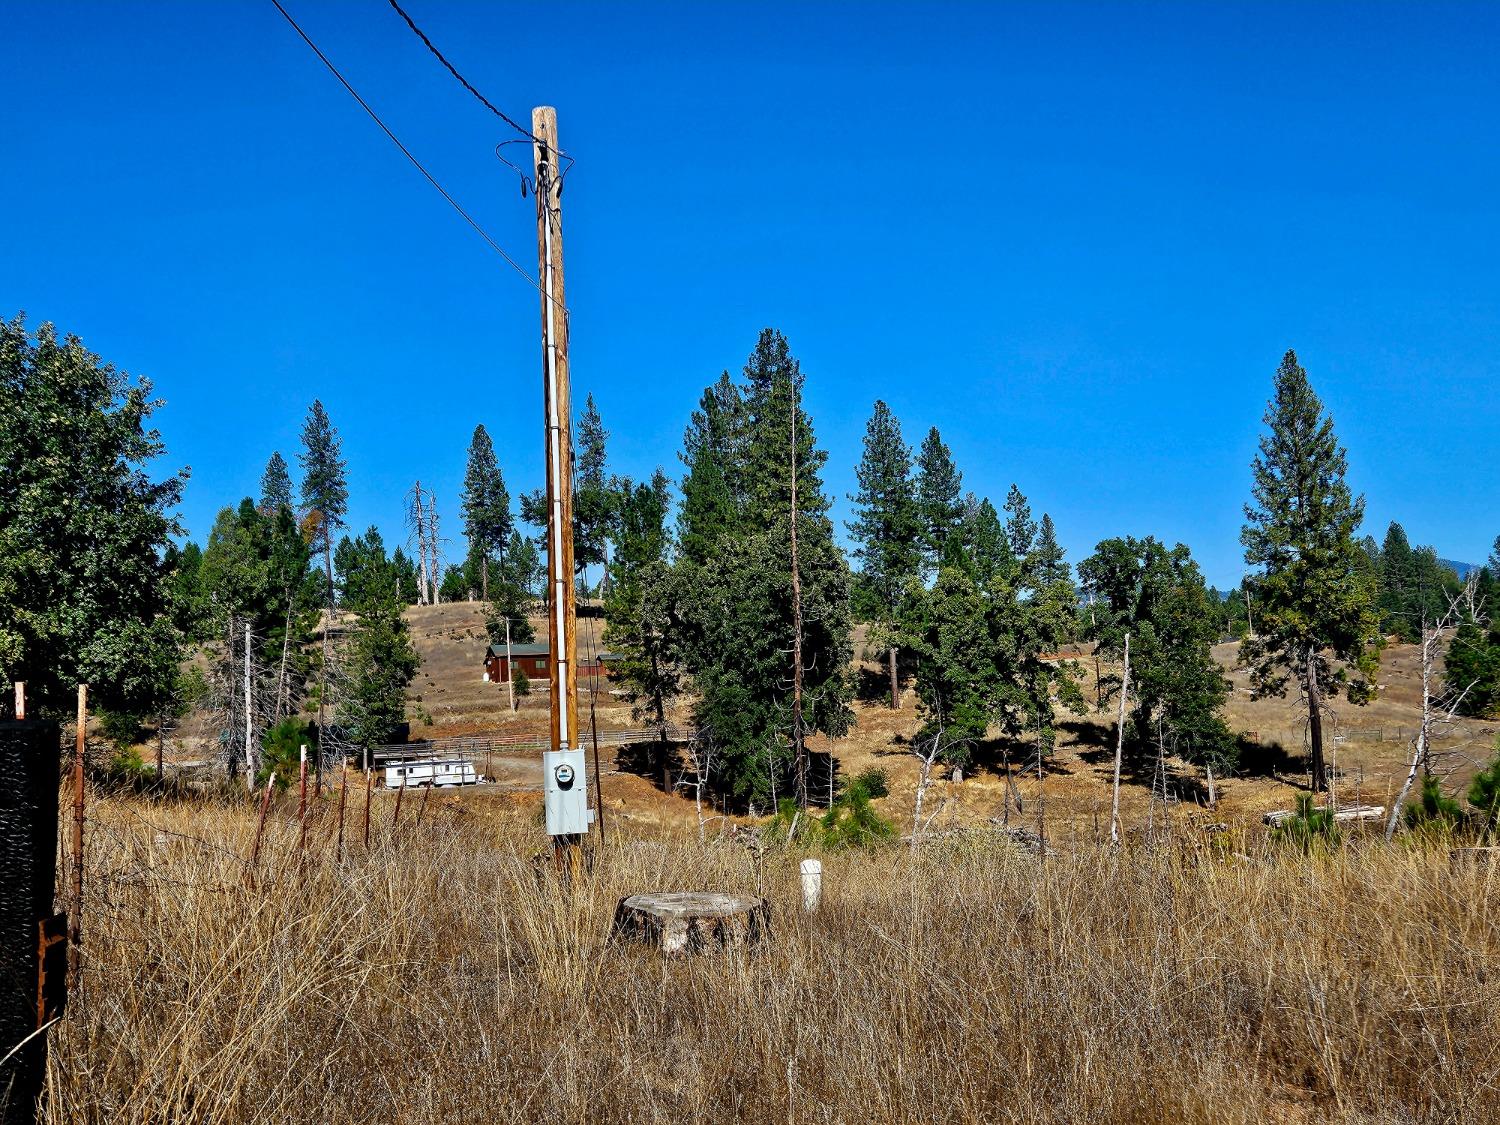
<point x="383" y="662"/>
<point x="486" y="506"/>
<point x="712" y="452"/>
<point x="325" y="491"/>
<point x="1157" y="595"/>
<point x="1020" y="528"/>
<point x="1316" y="618"/>
<point x="275" y="486"/>
<point x="886" y="527"/>
<point x="734" y="612"/>
<point x="593" y="498"/>
<point x="939" y="486"/>
<point x="773" y="382"/>
<point x="638" y="608"/>
<point x="84" y="581"/>
<point x="1045" y="564"/>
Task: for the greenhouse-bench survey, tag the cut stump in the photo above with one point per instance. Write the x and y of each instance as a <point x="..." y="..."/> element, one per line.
<point x="679" y="922"/>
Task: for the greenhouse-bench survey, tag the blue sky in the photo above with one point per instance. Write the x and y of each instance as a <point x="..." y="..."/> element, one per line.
<point x="1076" y="238"/>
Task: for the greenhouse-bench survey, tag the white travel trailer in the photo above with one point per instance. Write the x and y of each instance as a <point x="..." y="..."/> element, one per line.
<point x="440" y="774"/>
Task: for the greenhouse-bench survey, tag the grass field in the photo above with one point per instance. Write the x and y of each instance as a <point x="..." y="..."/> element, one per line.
<point x="435" y="977"/>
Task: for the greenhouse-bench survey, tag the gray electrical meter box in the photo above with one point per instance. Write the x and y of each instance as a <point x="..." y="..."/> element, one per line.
<point x="566" y="793"/>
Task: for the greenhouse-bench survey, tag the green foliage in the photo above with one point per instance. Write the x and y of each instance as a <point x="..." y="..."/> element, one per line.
<point x="381" y="662"/>
<point x="457" y="584"/>
<point x="1315" y="616"/>
<point x="191" y="607"/>
<point x="729" y="616"/>
<point x="1309" y="829"/>
<point x="887" y="528"/>
<point x="851" y="822"/>
<point x="1472" y="662"/>
<point x="594" y="501"/>
<point x="939" y="486"/>
<point x="325" y="490"/>
<point x="638" y="608"/>
<point x="361" y="571"/>
<point x="1414" y="586"/>
<point x="486" y="508"/>
<point x="1484" y="792"/>
<point x="120" y="728"/>
<point x="712" y="448"/>
<point x="281" y="750"/>
<point x="275" y="486"/>
<point x="1433" y="812"/>
<point x="522" y="683"/>
<point x="979" y="634"/>
<point x="1138" y="586"/>
<point x="85" y="580"/>
<point x="873" y="781"/>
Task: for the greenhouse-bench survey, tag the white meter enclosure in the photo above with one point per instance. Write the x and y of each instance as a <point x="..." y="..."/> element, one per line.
<point x="565" y="792"/>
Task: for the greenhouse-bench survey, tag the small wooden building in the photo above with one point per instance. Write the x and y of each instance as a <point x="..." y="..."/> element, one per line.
<point x="535" y="662"/>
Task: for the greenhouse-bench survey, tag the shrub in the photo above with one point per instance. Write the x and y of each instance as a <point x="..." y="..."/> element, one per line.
<point x="874" y="782"/>
<point x="281" y="750"/>
<point x="1432" y="812"/>
<point x="522" y="683"/>
<point x="1484" y="791"/>
<point x="1309" y="828"/>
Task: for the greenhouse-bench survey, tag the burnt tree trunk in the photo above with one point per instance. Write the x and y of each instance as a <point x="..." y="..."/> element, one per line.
<point x="1315" y="724"/>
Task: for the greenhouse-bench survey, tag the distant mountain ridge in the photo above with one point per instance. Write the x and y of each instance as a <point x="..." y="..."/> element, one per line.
<point x="1461" y="569"/>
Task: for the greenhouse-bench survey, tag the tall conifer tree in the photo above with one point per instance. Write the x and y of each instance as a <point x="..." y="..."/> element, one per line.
<point x="1315" y="614"/>
<point x="886" y="528"/>
<point x="325" y="491"/>
<point x="939" y="488"/>
<point x="486" y="506"/>
<point x="275" y="486"/>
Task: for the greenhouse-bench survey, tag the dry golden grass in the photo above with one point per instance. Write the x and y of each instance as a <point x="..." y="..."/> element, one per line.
<point x="436" y="978"/>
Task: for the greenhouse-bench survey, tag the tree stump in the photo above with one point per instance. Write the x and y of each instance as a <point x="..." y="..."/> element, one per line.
<point x="679" y="922"/>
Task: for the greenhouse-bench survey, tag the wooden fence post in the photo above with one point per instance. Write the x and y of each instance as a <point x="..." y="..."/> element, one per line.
<point x="75" y="926"/>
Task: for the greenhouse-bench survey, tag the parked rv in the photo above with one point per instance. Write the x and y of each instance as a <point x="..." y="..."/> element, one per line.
<point x="439" y="774"/>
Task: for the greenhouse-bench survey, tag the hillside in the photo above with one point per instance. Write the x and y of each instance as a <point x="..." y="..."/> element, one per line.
<point x="1369" y="746"/>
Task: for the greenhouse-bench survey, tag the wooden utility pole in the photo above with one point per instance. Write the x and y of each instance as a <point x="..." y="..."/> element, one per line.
<point x="799" y="748"/>
<point x="20" y="701"/>
<point x="562" y="613"/>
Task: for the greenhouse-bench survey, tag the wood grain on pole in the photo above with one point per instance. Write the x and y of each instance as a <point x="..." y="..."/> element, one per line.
<point x="559" y="491"/>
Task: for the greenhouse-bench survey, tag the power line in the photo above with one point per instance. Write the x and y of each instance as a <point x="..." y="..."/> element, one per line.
<point x="453" y="70"/>
<point x="495" y="246"/>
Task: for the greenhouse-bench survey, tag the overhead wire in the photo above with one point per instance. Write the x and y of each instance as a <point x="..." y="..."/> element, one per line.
<point x="467" y="85"/>
<point x="484" y="234"/>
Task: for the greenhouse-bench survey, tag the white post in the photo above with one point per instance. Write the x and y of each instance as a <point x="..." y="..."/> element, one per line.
<point x="812" y="884"/>
<point x="249" y="752"/>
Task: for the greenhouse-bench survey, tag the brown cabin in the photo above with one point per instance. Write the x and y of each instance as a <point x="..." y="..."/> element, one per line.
<point x="535" y="662"/>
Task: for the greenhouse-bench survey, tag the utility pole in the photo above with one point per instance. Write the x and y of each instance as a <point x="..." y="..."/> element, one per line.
<point x="799" y="748"/>
<point x="510" y="673"/>
<point x="564" y="770"/>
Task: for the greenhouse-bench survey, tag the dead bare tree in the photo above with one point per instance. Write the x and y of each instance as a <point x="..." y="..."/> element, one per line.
<point x="1114" y="806"/>
<point x="700" y="759"/>
<point x="416" y="521"/>
<point x="1439" y="708"/>
<point x="928" y="752"/>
